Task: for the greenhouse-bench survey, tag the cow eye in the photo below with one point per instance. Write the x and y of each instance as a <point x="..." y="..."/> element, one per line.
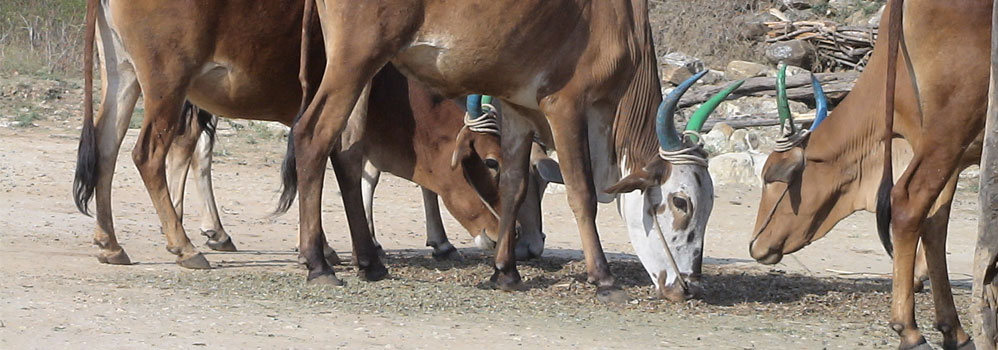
<point x="492" y="163"/>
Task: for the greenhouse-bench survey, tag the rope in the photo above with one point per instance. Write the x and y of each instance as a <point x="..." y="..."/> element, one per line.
<point x="692" y="155"/>
<point x="487" y="123"/>
<point x="789" y="141"/>
<point x="668" y="254"/>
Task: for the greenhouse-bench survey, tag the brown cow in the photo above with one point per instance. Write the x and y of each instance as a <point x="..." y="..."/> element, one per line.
<point x="207" y="54"/>
<point x="940" y="106"/>
<point x="583" y="74"/>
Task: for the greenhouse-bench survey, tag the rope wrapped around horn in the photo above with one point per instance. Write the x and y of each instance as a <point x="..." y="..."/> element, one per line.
<point x="486" y="118"/>
<point x="673" y="147"/>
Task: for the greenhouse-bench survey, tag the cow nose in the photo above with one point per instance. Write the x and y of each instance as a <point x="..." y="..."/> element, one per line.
<point x="765" y="255"/>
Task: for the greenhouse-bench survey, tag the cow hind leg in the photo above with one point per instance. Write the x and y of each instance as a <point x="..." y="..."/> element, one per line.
<point x="912" y="198"/>
<point x="934" y="242"/>
<point x="354" y="54"/>
<point x="163" y="105"/>
<point x="120" y="92"/>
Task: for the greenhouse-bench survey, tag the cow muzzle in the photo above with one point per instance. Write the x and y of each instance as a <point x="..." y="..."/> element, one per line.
<point x="691" y="288"/>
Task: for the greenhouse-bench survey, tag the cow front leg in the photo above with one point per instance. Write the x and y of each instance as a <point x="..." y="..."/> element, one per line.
<point x="570" y="131"/>
<point x="436" y="236"/>
<point x="517" y="136"/>
<point x="369" y="182"/>
<point x="348" y="168"/>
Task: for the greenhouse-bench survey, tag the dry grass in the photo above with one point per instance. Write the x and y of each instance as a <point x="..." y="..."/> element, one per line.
<point x="41" y="36"/>
<point x="706" y="31"/>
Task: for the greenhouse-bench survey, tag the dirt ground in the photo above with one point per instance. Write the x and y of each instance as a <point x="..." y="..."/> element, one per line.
<point x="54" y="294"/>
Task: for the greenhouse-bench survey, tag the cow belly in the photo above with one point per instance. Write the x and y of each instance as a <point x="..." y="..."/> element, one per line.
<point x="227" y="92"/>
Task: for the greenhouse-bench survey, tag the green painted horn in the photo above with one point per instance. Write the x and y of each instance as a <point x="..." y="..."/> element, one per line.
<point x="700" y="116"/>
<point x="782" y="104"/>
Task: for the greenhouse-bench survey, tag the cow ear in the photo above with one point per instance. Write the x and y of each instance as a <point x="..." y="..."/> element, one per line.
<point x="549" y="170"/>
<point x="652" y="175"/>
<point x="784" y="166"/>
<point x="463" y="147"/>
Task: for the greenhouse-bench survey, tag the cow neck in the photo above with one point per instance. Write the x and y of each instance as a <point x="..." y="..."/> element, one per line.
<point x="850" y="138"/>
<point x="634" y="120"/>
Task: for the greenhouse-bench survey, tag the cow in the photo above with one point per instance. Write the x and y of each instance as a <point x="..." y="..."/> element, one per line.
<point x="171" y="52"/>
<point x="581" y="75"/>
<point x="938" y="106"/>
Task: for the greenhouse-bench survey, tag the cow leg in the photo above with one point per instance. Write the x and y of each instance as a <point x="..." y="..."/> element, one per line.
<point x="570" y="131"/>
<point x="530" y="244"/>
<point x="369" y="182"/>
<point x="119" y="92"/>
<point x="912" y="198"/>
<point x="354" y="54"/>
<point x="934" y="242"/>
<point x="349" y="167"/>
<point x="436" y="236"/>
<point x="921" y="269"/>
<point x="211" y="223"/>
<point x="517" y="137"/>
<point x="163" y="101"/>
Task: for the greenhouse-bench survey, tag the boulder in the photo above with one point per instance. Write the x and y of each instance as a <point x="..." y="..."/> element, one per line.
<point x="744" y="70"/>
<point x="677" y="67"/>
<point x="734" y="168"/>
<point x="724" y="128"/>
<point x="739" y="141"/>
<point x="752" y="26"/>
<point x="792" y="52"/>
<point x="716" y="141"/>
<point x="756" y="106"/>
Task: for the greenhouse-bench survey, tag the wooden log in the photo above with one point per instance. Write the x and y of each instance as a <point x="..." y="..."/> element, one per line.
<point x="798" y="87"/>
<point x="985" y="287"/>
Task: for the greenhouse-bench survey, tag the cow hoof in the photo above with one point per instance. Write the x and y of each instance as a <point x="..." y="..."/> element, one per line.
<point x="331" y="257"/>
<point x="611" y="295"/>
<point x="373" y="273"/>
<point x="195" y="262"/>
<point x="325" y="280"/>
<point x="923" y="345"/>
<point x="968" y="345"/>
<point x="225" y="245"/>
<point x="118" y="257"/>
<point x="446" y="251"/>
<point x="506" y="281"/>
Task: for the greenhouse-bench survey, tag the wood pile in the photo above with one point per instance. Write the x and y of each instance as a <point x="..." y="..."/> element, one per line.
<point x="838" y="47"/>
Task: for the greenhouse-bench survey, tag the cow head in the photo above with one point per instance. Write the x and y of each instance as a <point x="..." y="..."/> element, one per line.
<point x="797" y="194"/>
<point x="478" y="154"/>
<point x="666" y="204"/>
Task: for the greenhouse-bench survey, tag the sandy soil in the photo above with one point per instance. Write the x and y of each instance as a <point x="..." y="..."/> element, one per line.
<point x="54" y="294"/>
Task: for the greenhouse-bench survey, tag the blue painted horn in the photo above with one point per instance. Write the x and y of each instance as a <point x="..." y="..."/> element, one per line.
<point x="474" y="106"/>
<point x="820" y="103"/>
<point x="665" y="121"/>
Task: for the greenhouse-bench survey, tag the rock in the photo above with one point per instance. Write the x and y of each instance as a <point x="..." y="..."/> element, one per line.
<point x="712" y="77"/>
<point x="744" y="70"/>
<point x="716" y="141"/>
<point x="792" y="52"/>
<point x="803" y="4"/>
<point x="677" y="67"/>
<point x="724" y="128"/>
<point x="753" y="25"/>
<point x="739" y="141"/>
<point x="734" y="168"/>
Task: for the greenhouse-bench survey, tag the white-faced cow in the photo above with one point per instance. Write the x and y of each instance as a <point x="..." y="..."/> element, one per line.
<point x="581" y="74"/>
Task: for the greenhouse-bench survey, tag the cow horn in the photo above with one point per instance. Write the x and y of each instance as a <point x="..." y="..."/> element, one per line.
<point x="700" y="116"/>
<point x="474" y="106"/>
<point x="820" y="103"/>
<point x="782" y="104"/>
<point x="665" y="121"/>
